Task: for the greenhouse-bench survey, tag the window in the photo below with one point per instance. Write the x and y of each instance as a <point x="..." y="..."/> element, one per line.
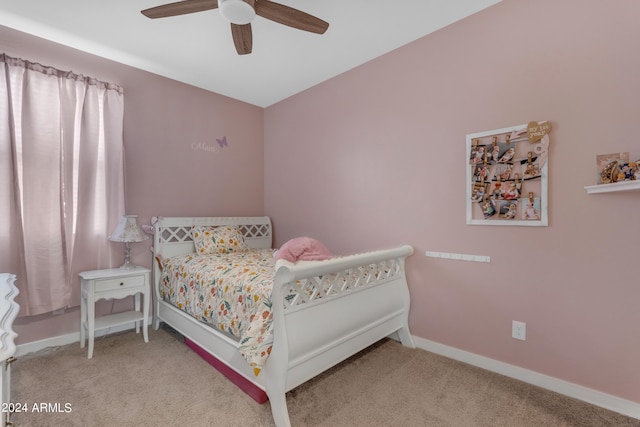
<point x="61" y="179"/>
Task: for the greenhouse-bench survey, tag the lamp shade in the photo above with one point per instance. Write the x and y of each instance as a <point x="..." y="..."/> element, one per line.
<point x="128" y="230"/>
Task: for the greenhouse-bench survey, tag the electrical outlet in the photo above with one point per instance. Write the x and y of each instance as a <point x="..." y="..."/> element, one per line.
<point x="519" y="330"/>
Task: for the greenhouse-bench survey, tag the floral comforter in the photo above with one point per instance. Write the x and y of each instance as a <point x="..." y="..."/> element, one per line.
<point x="230" y="291"/>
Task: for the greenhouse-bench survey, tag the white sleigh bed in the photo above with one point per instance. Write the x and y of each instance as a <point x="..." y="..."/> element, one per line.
<point x="357" y="300"/>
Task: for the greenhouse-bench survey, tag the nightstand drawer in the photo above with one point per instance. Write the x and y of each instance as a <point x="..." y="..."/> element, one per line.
<point x="106" y="285"/>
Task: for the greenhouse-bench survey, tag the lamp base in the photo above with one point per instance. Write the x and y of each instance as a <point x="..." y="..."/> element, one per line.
<point x="127" y="265"/>
<point x="127" y="258"/>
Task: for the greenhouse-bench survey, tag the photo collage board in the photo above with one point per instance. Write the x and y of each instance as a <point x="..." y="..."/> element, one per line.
<point x="507" y="176"/>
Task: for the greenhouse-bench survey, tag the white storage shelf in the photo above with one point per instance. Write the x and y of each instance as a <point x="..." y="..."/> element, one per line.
<point x="614" y="187"/>
<point x="118" y="319"/>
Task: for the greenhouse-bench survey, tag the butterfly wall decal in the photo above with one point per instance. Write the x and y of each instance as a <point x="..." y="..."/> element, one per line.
<point x="222" y="142"/>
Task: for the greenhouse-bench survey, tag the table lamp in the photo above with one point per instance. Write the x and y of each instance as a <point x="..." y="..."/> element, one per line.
<point x="128" y="232"/>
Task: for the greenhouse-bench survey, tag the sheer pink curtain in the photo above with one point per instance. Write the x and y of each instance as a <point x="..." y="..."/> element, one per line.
<point x="61" y="180"/>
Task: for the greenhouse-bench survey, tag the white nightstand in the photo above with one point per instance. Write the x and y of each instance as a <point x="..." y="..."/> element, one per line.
<point x="108" y="284"/>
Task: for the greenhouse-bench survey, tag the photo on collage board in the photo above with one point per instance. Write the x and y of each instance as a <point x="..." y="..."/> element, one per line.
<point x="481" y="173"/>
<point x="508" y="209"/>
<point x="478" y="191"/>
<point x="488" y="208"/>
<point x="531" y="169"/>
<point x="530" y="209"/>
<point x="504" y="171"/>
<point x="477" y="154"/>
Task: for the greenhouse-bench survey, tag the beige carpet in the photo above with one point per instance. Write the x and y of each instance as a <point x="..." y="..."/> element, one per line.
<point x="164" y="383"/>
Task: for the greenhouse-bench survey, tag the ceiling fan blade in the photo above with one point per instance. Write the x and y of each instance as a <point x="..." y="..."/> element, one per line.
<point x="180" y="8"/>
<point x="289" y="16"/>
<point x="242" y="38"/>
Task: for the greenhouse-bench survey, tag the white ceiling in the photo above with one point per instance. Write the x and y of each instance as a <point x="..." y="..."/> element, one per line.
<point x="197" y="49"/>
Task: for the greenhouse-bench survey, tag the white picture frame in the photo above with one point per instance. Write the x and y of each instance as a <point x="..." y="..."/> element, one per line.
<point x="537" y="185"/>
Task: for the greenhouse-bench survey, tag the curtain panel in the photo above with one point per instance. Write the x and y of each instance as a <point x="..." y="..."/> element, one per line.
<point x="61" y="180"/>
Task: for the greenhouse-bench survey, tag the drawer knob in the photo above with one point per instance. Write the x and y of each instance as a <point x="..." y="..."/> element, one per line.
<point x="121" y="283"/>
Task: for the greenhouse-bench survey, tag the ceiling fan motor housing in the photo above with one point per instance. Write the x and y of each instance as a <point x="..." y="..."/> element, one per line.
<point x="238" y="12"/>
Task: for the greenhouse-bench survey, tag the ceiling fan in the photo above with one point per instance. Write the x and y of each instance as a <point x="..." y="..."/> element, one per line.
<point x="240" y="13"/>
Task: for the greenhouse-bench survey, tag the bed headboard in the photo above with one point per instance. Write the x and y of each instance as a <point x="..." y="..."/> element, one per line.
<point x="172" y="235"/>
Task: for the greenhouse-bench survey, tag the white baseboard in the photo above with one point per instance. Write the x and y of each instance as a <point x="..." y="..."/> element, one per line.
<point x="32" y="347"/>
<point x="594" y="397"/>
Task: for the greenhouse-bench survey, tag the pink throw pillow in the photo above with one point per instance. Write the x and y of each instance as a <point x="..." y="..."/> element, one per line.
<point x="303" y="248"/>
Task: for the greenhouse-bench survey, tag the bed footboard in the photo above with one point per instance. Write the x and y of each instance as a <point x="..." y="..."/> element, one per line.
<point x="326" y="311"/>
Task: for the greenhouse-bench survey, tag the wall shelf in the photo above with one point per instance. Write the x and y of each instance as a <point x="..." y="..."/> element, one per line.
<point x="614" y="187"/>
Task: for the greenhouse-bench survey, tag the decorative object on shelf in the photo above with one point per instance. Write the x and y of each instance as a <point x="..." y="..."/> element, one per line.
<point x="507" y="175"/>
<point x="609" y="168"/>
<point x="128" y="232"/>
<point x="615" y="174"/>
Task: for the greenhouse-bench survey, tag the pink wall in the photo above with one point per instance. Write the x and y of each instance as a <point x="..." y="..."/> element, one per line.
<point x="172" y="166"/>
<point x="375" y="157"/>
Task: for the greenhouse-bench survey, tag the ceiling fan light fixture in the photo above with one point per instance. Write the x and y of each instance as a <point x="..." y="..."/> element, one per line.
<point x="238" y="12"/>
